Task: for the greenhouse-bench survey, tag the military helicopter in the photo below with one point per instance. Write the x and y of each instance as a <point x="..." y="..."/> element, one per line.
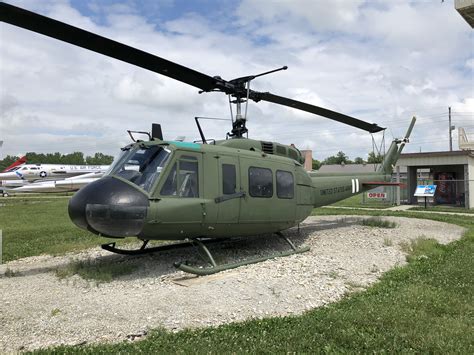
<point x="203" y="191"/>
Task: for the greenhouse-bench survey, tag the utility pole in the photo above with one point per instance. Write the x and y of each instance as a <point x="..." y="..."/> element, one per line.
<point x="451" y="129"/>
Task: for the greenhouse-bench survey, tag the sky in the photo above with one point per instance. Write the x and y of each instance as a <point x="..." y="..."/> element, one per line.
<point x="379" y="61"/>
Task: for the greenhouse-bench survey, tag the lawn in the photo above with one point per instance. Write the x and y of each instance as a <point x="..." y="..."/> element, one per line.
<point x="358" y="202"/>
<point x="424" y="307"/>
<point x="34" y="226"/>
<point x="441" y="208"/>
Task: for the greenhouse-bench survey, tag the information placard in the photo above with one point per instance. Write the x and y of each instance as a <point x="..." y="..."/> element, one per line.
<point x="425" y="190"/>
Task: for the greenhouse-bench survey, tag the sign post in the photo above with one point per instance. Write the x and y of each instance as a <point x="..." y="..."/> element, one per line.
<point x="425" y="191"/>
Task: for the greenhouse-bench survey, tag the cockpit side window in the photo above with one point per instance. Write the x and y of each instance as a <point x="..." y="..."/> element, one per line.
<point x="183" y="178"/>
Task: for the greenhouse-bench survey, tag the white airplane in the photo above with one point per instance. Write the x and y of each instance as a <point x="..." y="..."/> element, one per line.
<point x="35" y="172"/>
<point x="65" y="185"/>
<point x="49" y="177"/>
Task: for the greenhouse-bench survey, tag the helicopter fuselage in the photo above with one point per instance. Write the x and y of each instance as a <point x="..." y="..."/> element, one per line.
<point x="178" y="190"/>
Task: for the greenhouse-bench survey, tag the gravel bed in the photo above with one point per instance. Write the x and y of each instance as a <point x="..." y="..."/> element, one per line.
<point x="38" y="309"/>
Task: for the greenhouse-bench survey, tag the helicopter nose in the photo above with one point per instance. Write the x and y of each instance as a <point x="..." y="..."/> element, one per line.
<point x="109" y="207"/>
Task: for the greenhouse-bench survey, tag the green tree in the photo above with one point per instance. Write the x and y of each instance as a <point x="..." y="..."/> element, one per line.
<point x="7" y="161"/>
<point x="76" y="158"/>
<point x="99" y="159"/>
<point x="316" y="164"/>
<point x="339" y="158"/>
<point x="358" y="160"/>
<point x="374" y="159"/>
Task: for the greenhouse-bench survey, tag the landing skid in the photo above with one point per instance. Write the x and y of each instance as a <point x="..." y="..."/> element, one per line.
<point x="214" y="268"/>
<point x="200" y="245"/>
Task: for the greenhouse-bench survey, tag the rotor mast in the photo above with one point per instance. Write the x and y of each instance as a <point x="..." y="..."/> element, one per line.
<point x="242" y="95"/>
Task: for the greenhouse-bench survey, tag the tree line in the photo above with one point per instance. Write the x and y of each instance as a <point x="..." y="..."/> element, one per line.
<point x="78" y="158"/>
<point x="75" y="158"/>
<point x="342" y="158"/>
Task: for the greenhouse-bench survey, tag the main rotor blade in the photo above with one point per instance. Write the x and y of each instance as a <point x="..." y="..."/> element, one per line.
<point x="336" y="116"/>
<point x="76" y="36"/>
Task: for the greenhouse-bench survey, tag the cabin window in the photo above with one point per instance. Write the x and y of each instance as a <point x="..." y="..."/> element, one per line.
<point x="260" y="182"/>
<point x="171" y="184"/>
<point x="183" y="180"/>
<point x="285" y="184"/>
<point x="229" y="179"/>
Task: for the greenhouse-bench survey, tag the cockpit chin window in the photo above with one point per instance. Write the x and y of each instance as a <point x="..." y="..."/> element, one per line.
<point x="141" y="166"/>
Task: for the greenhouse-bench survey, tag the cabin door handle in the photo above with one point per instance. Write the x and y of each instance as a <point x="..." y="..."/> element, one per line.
<point x="230" y="197"/>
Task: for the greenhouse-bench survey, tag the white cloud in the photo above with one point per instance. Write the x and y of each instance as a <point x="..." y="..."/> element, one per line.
<point x="378" y="61"/>
<point x="320" y="15"/>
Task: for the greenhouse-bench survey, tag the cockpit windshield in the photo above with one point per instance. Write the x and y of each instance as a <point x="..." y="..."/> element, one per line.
<point x="141" y="166"/>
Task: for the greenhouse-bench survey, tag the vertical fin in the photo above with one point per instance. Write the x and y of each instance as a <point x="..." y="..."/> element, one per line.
<point x="395" y="150"/>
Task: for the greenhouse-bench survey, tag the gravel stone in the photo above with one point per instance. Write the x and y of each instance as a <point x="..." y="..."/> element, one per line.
<point x="39" y="310"/>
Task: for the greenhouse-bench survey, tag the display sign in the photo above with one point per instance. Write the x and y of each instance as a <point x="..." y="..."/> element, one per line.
<point x="377" y="195"/>
<point x="425" y="190"/>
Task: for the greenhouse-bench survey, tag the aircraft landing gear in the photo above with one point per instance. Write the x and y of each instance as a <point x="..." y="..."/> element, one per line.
<point x="206" y="255"/>
<point x="144" y="250"/>
<point x="214" y="268"/>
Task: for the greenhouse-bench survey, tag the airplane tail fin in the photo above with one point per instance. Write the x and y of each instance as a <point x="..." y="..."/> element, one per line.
<point x="395" y="150"/>
<point x="20" y="161"/>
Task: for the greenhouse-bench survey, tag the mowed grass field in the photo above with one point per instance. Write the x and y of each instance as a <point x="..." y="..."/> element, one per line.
<point x="424" y="307"/>
<point x="37" y="225"/>
<point x="357" y="201"/>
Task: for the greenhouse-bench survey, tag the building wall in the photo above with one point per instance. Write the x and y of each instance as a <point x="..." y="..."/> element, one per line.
<point x="470" y="178"/>
<point x="308" y="159"/>
<point x="460" y="163"/>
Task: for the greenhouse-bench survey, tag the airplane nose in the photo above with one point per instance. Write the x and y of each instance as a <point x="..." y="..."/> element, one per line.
<point x="109" y="207"/>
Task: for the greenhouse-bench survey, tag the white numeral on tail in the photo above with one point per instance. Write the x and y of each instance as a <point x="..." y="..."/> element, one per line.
<point x="355" y="185"/>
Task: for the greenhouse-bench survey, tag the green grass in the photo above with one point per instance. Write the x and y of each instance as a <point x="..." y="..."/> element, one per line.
<point x="444" y="209"/>
<point x="421" y="248"/>
<point x="377" y="222"/>
<point x="40" y="225"/>
<point x="101" y="271"/>
<point x="55" y="312"/>
<point x="357" y="202"/>
<point x="424" y="307"/>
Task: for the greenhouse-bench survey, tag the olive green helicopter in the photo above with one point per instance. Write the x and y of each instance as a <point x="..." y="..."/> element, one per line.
<point x="208" y="190"/>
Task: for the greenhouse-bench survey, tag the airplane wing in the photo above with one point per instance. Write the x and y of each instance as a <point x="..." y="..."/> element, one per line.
<point x="66" y="185"/>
